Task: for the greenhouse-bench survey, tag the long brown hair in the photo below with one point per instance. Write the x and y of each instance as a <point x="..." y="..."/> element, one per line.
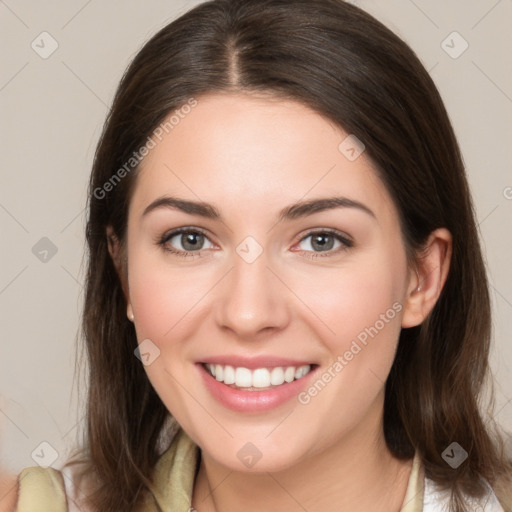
<point x="338" y="60"/>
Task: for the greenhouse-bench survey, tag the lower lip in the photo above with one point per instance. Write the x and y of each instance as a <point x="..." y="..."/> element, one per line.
<point x="253" y="401"/>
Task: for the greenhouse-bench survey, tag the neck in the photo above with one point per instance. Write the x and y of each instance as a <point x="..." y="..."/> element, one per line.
<point x="356" y="473"/>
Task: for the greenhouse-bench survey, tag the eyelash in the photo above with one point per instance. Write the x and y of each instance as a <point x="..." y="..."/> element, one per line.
<point x="346" y="243"/>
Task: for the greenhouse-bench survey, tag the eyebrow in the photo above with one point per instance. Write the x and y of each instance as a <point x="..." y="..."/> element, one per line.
<point x="294" y="211"/>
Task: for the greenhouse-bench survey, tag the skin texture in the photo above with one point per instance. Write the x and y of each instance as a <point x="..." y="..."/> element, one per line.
<point x="250" y="157"/>
<point x="8" y="492"/>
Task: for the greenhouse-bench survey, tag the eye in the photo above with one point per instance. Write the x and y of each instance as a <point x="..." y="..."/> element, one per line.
<point x="189" y="242"/>
<point x="185" y="242"/>
<point x="324" y="241"/>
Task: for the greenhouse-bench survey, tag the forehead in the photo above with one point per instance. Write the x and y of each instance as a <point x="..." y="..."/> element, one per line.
<point x="248" y="153"/>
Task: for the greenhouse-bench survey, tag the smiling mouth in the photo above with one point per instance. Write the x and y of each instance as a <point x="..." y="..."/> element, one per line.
<point x="260" y="379"/>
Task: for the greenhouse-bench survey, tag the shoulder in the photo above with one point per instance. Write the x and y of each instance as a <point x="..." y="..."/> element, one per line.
<point x="175" y="471"/>
<point x="41" y="489"/>
<point x="436" y="500"/>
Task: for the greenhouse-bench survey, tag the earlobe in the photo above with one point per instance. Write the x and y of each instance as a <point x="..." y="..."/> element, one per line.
<point x="431" y="273"/>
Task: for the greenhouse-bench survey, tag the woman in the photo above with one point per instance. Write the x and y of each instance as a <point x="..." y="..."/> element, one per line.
<point x="286" y="304"/>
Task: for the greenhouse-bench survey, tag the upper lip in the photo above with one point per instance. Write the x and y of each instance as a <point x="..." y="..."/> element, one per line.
<point x="252" y="363"/>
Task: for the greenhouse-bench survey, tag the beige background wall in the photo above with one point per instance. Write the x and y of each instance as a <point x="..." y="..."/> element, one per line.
<point x="52" y="110"/>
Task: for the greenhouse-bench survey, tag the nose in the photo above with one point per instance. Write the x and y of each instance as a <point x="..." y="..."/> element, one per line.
<point x="251" y="299"/>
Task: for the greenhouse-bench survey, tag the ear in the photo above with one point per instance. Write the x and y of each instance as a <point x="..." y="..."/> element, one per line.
<point x="428" y="278"/>
<point x="119" y="260"/>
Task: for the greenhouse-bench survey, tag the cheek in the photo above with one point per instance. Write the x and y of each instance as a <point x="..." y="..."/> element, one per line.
<point x="353" y="303"/>
<point x="165" y="300"/>
<point x="163" y="296"/>
<point x="361" y="306"/>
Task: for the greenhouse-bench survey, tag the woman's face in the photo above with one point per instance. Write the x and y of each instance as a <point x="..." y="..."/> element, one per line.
<point x="268" y="276"/>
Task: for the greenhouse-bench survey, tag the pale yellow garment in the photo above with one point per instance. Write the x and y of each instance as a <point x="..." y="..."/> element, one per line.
<point x="42" y="489"/>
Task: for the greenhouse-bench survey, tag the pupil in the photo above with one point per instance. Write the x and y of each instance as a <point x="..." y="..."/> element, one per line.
<point x="190" y="238"/>
<point x="320" y="240"/>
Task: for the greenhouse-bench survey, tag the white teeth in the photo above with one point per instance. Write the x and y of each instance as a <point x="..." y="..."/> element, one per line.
<point x="243" y="378"/>
<point x="259" y="378"/>
<point x="277" y="376"/>
<point x="229" y="375"/>
<point x="289" y="374"/>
